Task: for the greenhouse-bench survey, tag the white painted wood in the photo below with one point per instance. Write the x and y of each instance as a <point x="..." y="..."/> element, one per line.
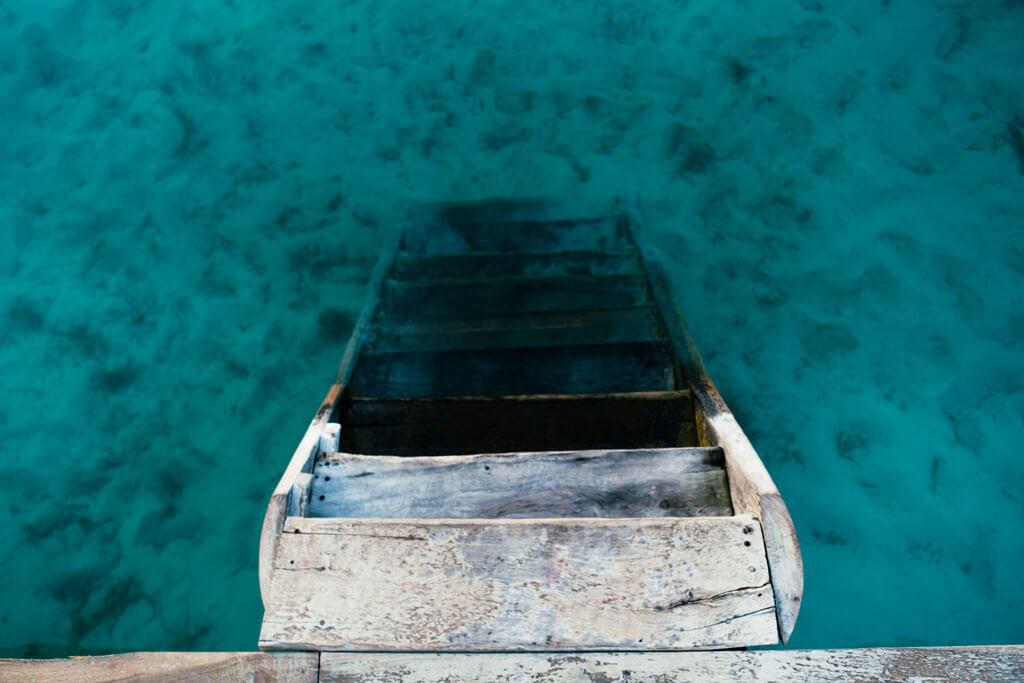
<point x="298" y="503"/>
<point x="149" y="667"/>
<point x="661" y="482"/>
<point x="752" y="488"/>
<point x="1000" y="663"/>
<point x="479" y="585"/>
<point x="329" y="437"/>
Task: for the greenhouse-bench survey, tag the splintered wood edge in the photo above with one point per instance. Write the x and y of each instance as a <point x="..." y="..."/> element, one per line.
<point x="302" y="460"/>
<point x="215" y="667"/>
<point x="751" y="486"/>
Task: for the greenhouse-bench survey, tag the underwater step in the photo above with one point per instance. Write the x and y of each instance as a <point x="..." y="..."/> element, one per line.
<point x="470" y="297"/>
<point x="516" y="264"/>
<point x="665" y="482"/>
<point x="585" y="369"/>
<point x="442" y="236"/>
<point x="465" y="425"/>
<point x="525" y="329"/>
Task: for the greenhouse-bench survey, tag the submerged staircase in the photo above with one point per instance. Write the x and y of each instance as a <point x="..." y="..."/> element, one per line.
<point x="510" y="460"/>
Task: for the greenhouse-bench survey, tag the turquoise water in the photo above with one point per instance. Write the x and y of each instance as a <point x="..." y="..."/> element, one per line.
<point x="193" y="195"/>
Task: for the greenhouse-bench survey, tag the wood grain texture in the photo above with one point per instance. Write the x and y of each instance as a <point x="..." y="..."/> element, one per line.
<point x="537" y="328"/>
<point x="953" y="664"/>
<point x="752" y="488"/>
<point x="672" y="482"/>
<point x="451" y="234"/>
<point x="481" y="585"/>
<point x="516" y="264"/>
<point x="149" y="667"/>
<point x="459" y="298"/>
<point x="480" y="424"/>
<point x="591" y="369"/>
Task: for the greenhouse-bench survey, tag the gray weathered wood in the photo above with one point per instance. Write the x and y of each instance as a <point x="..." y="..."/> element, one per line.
<point x="671" y="482"/>
<point x="558" y="584"/>
<point x="145" y="667"/>
<point x="752" y="488"/>
<point x="450" y="235"/>
<point x="516" y="264"/>
<point x="590" y="369"/>
<point x="461" y="298"/>
<point x="954" y="664"/>
<point x="539" y="328"/>
<point x="483" y="424"/>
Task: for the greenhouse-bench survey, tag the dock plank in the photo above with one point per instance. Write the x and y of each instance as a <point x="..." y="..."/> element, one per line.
<point x="670" y="482"/>
<point x="558" y="584"/>
<point x="516" y="264"/>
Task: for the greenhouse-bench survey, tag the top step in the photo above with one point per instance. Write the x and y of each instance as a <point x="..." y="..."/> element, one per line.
<point x="447" y="235"/>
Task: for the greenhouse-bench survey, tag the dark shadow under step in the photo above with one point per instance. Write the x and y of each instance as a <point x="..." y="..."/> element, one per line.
<point x="516" y="264"/>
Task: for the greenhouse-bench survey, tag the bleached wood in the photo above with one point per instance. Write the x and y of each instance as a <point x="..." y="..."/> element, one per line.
<point x="669" y="482"/>
<point x="999" y="663"/>
<point x="302" y="458"/>
<point x="752" y="488"/>
<point x="142" y="667"/>
<point x="298" y="503"/>
<point x="329" y="437"/>
<point x="479" y="585"/>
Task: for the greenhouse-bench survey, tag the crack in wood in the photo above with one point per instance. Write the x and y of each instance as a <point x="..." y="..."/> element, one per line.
<point x="716" y="596"/>
<point x="729" y="620"/>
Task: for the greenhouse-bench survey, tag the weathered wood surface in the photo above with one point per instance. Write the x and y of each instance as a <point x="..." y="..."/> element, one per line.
<point x="752" y="488"/>
<point x="671" y="482"/>
<point x="460" y="298"/>
<point x="481" y="585"/>
<point x="590" y="369"/>
<point x="302" y="459"/>
<point x="896" y="664"/>
<point x="142" y="667"/>
<point x="482" y="424"/>
<point x="540" y="328"/>
<point x="448" y="235"/>
<point x="516" y="264"/>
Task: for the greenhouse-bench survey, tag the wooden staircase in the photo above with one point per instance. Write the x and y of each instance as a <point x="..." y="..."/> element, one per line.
<point x="511" y="459"/>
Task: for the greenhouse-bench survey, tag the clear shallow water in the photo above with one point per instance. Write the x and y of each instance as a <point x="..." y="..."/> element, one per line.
<point x="194" y="193"/>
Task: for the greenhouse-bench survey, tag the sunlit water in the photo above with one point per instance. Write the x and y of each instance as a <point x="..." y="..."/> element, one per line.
<point x="193" y="195"/>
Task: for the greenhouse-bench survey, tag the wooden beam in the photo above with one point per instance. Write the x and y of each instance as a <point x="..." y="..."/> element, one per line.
<point x="670" y="482"/>
<point x="150" y="667"/>
<point x="516" y="264"/>
<point x="951" y="664"/>
<point x="557" y="584"/>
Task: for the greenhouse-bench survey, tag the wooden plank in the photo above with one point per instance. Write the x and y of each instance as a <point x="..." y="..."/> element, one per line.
<point x="996" y="663"/>
<point x="466" y="425"/>
<point x="302" y="459"/>
<point x="449" y="235"/>
<point x="670" y="482"/>
<point x="459" y="298"/>
<point x="481" y="265"/>
<point x="167" y="666"/>
<point x="752" y="488"/>
<point x="478" y="585"/>
<point x="539" y="328"/>
<point x="590" y="369"/>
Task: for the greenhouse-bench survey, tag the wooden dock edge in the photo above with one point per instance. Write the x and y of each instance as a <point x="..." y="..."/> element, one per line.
<point x="984" y="663"/>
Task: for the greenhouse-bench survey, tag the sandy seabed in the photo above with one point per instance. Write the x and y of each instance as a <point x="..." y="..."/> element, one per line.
<point x="194" y="193"/>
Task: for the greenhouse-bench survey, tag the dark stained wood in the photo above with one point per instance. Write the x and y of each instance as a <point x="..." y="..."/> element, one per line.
<point x="453" y="237"/>
<point x="469" y="297"/>
<point x="670" y="482"/>
<point x="516" y="264"/>
<point x="591" y="369"/>
<point x="539" y="328"/>
<point x="456" y="426"/>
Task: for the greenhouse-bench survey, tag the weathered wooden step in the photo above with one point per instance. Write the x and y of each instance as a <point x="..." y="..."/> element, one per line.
<point x="668" y="482"/>
<point x="516" y="264"/>
<point x="662" y="583"/>
<point x="590" y="369"/>
<point x="464" y="425"/>
<point x="454" y="237"/>
<point x="456" y="298"/>
<point x="536" y="328"/>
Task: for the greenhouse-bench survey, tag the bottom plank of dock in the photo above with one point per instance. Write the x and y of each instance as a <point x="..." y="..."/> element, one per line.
<point x="991" y="663"/>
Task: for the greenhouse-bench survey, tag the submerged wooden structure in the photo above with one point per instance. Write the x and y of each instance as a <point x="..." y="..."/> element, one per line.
<point x="523" y="451"/>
